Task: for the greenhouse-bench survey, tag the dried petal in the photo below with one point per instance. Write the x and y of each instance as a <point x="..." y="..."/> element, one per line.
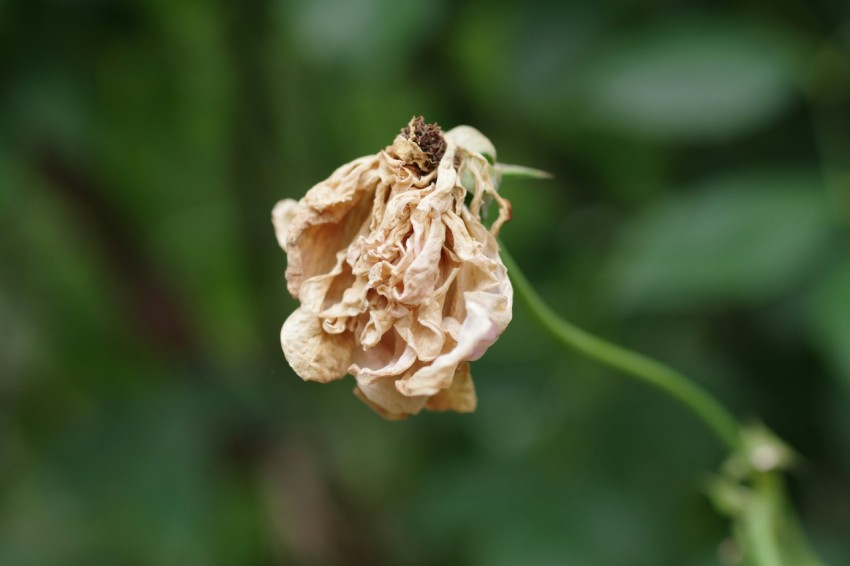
<point x="314" y="354"/>
<point x="460" y="397"/>
<point x="400" y="283"/>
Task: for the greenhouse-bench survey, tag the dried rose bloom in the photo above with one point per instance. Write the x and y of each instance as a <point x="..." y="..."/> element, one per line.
<point x="400" y="283"/>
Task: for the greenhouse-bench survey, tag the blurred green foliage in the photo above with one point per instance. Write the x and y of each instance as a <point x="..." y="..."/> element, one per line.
<point x="700" y="213"/>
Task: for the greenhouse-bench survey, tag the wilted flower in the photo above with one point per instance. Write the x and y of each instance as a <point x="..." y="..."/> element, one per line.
<point x="400" y="283"/>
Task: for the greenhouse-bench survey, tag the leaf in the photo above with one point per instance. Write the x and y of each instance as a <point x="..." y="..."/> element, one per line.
<point x="369" y="36"/>
<point x="691" y="81"/>
<point x="829" y="319"/>
<point x="748" y="237"/>
<point x="507" y="170"/>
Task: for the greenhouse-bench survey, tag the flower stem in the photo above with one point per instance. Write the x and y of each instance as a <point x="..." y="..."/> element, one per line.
<point x="638" y="366"/>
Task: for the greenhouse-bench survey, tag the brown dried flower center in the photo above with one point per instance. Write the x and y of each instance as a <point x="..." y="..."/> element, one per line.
<point x="429" y="138"/>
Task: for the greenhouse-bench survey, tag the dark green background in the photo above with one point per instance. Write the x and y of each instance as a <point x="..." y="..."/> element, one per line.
<point x="700" y="214"/>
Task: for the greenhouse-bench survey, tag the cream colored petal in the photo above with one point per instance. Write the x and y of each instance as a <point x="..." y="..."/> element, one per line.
<point x="498" y="313"/>
<point x="314" y="354"/>
<point x="400" y="416"/>
<point x="329" y="218"/>
<point x="392" y="368"/>
<point x="466" y="248"/>
<point x="409" y="152"/>
<point x="460" y="397"/>
<point x="421" y="277"/>
<point x="477" y="333"/>
<point x="422" y="330"/>
<point x="373" y="329"/>
<point x="392" y="357"/>
<point x="472" y="140"/>
<point x="386" y="401"/>
<point x="342" y="185"/>
<point x="446" y="177"/>
<point x="485" y="313"/>
<point x="282" y="215"/>
<point x="314" y="292"/>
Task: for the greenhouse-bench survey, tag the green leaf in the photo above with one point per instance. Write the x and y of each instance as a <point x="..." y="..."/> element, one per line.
<point x="746" y="238"/>
<point x="691" y="81"/>
<point x="507" y="170"/>
<point x="829" y="319"/>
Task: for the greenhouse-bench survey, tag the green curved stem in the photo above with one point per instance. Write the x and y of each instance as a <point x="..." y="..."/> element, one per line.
<point x="645" y="369"/>
<point x="762" y="530"/>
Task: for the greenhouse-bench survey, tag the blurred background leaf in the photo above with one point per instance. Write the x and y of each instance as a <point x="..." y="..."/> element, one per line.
<point x="746" y="237"/>
<point x="830" y="323"/>
<point x="692" y="80"/>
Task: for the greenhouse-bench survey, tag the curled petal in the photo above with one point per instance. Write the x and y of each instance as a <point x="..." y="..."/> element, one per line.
<point x="314" y="354"/>
<point x="282" y="215"/>
<point x="477" y="333"/>
<point x="472" y="141"/>
<point x="386" y="401"/>
<point x="329" y="216"/>
<point x="391" y="358"/>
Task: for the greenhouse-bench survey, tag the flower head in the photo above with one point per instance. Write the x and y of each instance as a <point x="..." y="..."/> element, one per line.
<point x="400" y="282"/>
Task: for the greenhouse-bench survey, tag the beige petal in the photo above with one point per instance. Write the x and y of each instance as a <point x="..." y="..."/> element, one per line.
<point x="389" y="403"/>
<point x="421" y="277"/>
<point x="314" y="354"/>
<point x="477" y="333"/>
<point x="331" y="214"/>
<point x="460" y="397"/>
<point x="391" y="358"/>
<point x="422" y="330"/>
<point x="282" y="215"/>
<point x="472" y="141"/>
